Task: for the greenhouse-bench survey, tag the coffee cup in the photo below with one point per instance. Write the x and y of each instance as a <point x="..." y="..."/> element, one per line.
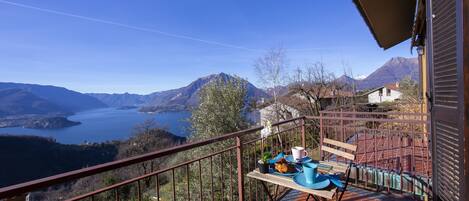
<point x="310" y="171"/>
<point x="298" y="153"/>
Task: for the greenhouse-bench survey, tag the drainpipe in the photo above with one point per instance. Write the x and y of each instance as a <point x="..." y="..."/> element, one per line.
<point x="420" y="51"/>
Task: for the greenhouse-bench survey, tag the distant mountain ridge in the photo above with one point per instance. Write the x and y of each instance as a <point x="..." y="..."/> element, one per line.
<point x="175" y="99"/>
<point x="19" y="101"/>
<point x="392" y="71"/>
<point x="54" y="99"/>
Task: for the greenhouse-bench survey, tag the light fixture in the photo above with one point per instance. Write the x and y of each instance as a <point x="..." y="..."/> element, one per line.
<point x="420" y="50"/>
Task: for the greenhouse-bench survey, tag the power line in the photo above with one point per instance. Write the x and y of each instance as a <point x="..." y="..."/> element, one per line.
<point x="129" y="26"/>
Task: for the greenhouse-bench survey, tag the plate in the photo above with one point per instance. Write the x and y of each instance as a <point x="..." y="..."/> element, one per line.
<point x="306" y="159"/>
<point x="321" y="181"/>
<point x="335" y="179"/>
<point x="278" y="157"/>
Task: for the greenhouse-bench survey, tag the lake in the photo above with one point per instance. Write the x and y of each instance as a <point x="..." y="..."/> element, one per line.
<point x="107" y="124"/>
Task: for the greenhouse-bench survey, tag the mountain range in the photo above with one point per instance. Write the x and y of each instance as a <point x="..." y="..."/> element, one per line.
<point x="22" y="99"/>
<point x="32" y="99"/>
<point x="175" y="99"/>
<point x="27" y="99"/>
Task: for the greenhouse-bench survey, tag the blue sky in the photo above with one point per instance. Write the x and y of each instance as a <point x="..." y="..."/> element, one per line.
<point x="117" y="46"/>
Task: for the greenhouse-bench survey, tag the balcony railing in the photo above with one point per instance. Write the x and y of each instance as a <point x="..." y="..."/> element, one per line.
<point x="392" y="154"/>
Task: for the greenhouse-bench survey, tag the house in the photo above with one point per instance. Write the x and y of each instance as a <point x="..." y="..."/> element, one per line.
<point x="285" y="111"/>
<point x="386" y="93"/>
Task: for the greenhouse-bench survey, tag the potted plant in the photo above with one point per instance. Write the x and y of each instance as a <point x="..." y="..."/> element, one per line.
<point x="263" y="163"/>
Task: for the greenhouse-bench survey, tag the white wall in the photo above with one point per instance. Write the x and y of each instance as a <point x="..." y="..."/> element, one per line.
<point x="268" y="113"/>
<point x="375" y="97"/>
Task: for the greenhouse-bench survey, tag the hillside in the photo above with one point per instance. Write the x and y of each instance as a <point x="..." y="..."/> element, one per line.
<point x="120" y="100"/>
<point x="175" y="99"/>
<point x="32" y="157"/>
<point x="21" y="102"/>
<point x="66" y="100"/>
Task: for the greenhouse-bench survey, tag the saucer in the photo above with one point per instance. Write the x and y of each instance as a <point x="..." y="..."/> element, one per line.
<point x="306" y="159"/>
<point x="321" y="181"/>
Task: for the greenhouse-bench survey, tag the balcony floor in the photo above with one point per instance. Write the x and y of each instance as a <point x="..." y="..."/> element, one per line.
<point x="352" y="194"/>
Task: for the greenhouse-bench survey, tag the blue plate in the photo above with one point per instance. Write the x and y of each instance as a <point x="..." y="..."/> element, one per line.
<point x="335" y="179"/>
<point x="321" y="181"/>
<point x="306" y="159"/>
<point x="278" y="157"/>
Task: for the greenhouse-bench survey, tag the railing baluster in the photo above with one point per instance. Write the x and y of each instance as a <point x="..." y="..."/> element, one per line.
<point x="222" y="179"/>
<point x="116" y="193"/>
<point x="200" y="181"/>
<point x="255" y="162"/>
<point x="211" y="178"/>
<point x="188" y="182"/>
<point x="231" y="174"/>
<point x="249" y="169"/>
<point x="174" y="184"/>
<point x="157" y="186"/>
<point x="239" y="156"/>
<point x="139" y="191"/>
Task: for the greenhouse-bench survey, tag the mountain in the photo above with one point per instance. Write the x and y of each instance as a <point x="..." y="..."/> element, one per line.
<point x="175" y="99"/>
<point x="188" y="96"/>
<point x="66" y="100"/>
<point x="20" y="102"/>
<point x="344" y="79"/>
<point x="120" y="100"/>
<point x="392" y="71"/>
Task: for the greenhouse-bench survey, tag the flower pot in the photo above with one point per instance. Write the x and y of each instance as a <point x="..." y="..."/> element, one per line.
<point x="263" y="167"/>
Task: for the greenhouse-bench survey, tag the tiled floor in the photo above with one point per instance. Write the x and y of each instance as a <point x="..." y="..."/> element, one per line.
<point x="352" y="194"/>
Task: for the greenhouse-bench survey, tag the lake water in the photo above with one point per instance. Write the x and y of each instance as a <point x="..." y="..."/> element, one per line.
<point x="107" y="124"/>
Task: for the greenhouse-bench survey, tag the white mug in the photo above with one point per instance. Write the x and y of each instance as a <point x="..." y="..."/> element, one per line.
<point x="298" y="153"/>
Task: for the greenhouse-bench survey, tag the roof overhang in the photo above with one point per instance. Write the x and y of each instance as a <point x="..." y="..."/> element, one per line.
<point x="390" y="21"/>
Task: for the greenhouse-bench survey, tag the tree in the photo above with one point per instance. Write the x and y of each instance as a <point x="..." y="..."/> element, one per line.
<point x="271" y="71"/>
<point x="409" y="89"/>
<point x="318" y="87"/>
<point x="221" y="109"/>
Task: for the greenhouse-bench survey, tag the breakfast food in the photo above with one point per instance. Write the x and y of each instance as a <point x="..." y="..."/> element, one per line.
<point x="283" y="166"/>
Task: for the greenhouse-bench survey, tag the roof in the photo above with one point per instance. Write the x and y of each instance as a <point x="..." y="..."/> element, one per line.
<point x="390" y="21"/>
<point x="392" y="86"/>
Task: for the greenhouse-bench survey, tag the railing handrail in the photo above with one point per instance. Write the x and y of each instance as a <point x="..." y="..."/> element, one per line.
<point x="370" y="119"/>
<point x="29" y="186"/>
<point x="378" y="113"/>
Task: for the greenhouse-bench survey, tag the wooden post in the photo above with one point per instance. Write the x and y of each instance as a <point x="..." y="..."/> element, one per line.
<point x="321" y="135"/>
<point x="239" y="156"/>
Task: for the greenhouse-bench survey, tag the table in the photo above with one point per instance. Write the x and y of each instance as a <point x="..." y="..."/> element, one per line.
<point x="288" y="182"/>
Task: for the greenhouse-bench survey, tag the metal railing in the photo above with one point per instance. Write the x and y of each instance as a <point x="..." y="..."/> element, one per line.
<point x="216" y="168"/>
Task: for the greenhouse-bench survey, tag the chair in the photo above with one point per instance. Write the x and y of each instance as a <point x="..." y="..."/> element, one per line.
<point x="335" y="148"/>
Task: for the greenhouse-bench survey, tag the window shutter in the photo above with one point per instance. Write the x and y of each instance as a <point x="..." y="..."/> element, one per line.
<point x="448" y="97"/>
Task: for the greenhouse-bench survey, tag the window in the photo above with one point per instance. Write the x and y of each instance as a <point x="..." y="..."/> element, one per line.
<point x="380" y="92"/>
<point x="388" y="92"/>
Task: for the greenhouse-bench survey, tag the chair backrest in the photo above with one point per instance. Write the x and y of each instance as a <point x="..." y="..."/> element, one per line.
<point x="326" y="146"/>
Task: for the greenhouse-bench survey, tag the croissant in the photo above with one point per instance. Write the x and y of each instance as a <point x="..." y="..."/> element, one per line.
<point x="282" y="166"/>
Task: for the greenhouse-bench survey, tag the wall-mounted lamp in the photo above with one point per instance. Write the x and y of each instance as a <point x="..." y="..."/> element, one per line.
<point x="420" y="50"/>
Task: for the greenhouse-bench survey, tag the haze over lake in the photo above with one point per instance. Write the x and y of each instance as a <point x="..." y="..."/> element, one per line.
<point x="107" y="124"/>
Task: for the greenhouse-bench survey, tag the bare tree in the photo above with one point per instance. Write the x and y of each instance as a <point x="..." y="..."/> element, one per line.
<point x="271" y="71"/>
<point x="318" y="87"/>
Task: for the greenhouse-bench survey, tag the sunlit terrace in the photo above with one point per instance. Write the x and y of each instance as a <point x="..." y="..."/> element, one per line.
<point x="392" y="161"/>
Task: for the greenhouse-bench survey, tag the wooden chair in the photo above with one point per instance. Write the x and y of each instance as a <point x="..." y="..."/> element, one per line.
<point x="338" y="149"/>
